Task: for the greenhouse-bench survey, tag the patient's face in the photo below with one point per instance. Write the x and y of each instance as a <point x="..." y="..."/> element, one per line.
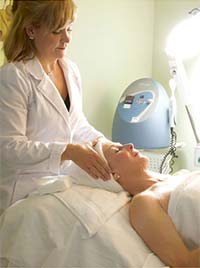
<point x="124" y="155"/>
<point x="125" y="160"/>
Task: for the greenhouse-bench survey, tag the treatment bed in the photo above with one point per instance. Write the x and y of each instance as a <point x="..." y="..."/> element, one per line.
<point x="74" y="226"/>
<point x="71" y="225"/>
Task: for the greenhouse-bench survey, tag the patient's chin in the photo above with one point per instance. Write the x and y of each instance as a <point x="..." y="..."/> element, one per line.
<point x="146" y="161"/>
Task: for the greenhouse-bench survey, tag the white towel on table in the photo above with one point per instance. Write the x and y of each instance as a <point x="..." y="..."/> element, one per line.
<point x="184" y="209"/>
<point x="52" y="184"/>
<point x="92" y="206"/>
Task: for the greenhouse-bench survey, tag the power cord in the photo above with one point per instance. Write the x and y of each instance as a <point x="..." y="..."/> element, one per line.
<point x="169" y="158"/>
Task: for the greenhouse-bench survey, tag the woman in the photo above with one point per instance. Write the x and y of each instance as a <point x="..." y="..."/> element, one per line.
<point x="43" y="127"/>
<point x="149" y="206"/>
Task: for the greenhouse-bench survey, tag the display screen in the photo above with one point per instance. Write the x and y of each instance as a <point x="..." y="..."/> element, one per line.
<point x="129" y="99"/>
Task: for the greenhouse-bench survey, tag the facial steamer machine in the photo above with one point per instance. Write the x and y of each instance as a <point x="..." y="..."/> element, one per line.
<point x="142" y="117"/>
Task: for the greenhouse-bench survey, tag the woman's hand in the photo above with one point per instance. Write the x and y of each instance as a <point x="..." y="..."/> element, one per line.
<point x="88" y="159"/>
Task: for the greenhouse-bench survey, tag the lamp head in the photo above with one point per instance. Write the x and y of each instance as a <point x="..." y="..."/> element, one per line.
<point x="184" y="40"/>
<point x="194" y="11"/>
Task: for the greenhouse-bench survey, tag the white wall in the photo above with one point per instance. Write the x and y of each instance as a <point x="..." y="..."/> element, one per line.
<point x="112" y="45"/>
<point x="167" y="14"/>
<point x="116" y="42"/>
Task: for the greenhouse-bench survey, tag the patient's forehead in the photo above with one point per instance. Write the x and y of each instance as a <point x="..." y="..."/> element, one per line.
<point x="109" y="148"/>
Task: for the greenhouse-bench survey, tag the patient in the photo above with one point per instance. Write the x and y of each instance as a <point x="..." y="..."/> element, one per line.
<point x="149" y="206"/>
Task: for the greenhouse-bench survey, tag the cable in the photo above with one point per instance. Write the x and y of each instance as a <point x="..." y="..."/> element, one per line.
<point x="169" y="158"/>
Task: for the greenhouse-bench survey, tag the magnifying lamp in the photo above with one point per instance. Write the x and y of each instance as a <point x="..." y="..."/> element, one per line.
<point x="183" y="43"/>
<point x="184" y="40"/>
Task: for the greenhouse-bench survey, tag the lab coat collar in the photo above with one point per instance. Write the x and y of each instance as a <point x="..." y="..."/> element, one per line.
<point x="34" y="67"/>
<point x="47" y="87"/>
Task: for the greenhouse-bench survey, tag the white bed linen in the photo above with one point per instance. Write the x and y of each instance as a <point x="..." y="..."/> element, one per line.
<point x="42" y="232"/>
<point x="184" y="209"/>
<point x="92" y="206"/>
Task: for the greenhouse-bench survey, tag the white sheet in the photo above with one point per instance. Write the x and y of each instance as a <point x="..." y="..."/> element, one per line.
<point x="184" y="209"/>
<point x="42" y="232"/>
<point x="92" y="206"/>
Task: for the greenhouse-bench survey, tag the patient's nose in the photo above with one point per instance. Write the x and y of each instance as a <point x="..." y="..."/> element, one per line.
<point x="129" y="146"/>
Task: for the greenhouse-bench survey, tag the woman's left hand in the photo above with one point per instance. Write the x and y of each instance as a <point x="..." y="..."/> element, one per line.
<point x="88" y="159"/>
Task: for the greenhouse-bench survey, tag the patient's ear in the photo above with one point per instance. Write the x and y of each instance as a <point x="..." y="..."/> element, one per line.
<point x="116" y="176"/>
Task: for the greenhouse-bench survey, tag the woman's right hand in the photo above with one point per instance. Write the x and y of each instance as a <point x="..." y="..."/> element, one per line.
<point x="88" y="159"/>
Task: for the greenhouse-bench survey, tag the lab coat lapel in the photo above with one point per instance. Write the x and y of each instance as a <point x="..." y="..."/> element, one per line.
<point x="47" y="88"/>
<point x="74" y="93"/>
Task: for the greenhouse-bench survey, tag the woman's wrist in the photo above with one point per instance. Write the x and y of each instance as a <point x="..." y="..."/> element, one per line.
<point x="67" y="154"/>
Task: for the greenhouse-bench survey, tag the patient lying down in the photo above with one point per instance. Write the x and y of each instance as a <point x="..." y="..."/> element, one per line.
<point x="149" y="206"/>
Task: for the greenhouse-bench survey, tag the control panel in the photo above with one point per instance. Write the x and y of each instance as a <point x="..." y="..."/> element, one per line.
<point x="135" y="106"/>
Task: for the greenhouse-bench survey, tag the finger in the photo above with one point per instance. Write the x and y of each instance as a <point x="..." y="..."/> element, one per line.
<point x="92" y="172"/>
<point x="104" y="167"/>
<point x="101" y="171"/>
<point x="101" y="165"/>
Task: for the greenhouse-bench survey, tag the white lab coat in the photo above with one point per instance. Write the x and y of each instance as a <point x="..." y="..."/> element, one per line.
<point x="35" y="126"/>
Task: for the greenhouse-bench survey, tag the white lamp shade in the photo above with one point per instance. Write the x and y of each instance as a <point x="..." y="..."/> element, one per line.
<point x="184" y="40"/>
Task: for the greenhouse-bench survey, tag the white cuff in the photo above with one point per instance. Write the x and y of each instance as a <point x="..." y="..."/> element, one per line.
<point x="55" y="157"/>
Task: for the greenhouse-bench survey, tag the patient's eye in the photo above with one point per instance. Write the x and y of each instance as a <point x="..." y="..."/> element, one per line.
<point x="117" y="149"/>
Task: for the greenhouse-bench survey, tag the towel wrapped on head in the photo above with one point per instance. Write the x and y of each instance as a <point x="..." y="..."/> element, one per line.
<point x="82" y="178"/>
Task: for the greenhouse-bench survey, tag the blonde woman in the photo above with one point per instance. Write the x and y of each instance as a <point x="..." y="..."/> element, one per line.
<point x="150" y="209"/>
<point x="43" y="127"/>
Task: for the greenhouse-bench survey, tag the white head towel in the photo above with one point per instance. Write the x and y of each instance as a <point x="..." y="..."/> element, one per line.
<point x="98" y="148"/>
<point x="80" y="177"/>
<point x="112" y="184"/>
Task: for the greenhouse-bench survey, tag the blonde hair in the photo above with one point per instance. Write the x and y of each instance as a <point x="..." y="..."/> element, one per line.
<point x="53" y="14"/>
